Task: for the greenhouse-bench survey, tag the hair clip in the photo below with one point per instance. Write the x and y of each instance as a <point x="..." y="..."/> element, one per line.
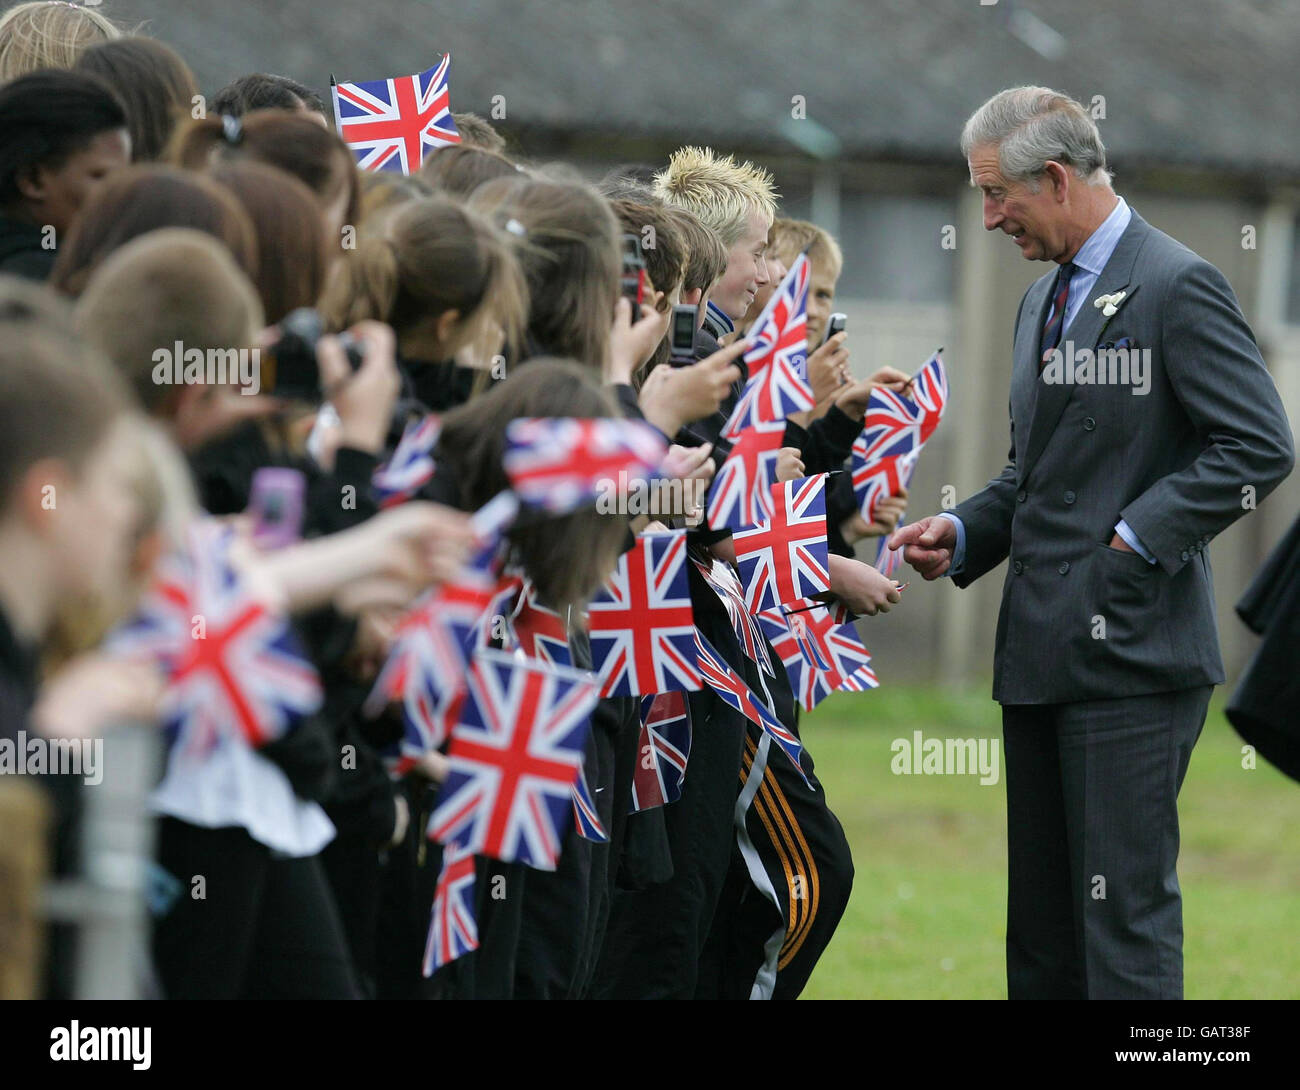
<point x="516" y="228"/>
<point x="232" y="130"/>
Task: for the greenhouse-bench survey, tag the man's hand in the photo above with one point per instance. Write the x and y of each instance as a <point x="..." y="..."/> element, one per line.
<point x="414" y="545"/>
<point x="364" y="400"/>
<point x="828" y="368"/>
<point x="693" y="466"/>
<point x="861" y="587"/>
<point x="853" y="399"/>
<point x="672" y="397"/>
<point x="789" y="464"/>
<point x="95" y="691"/>
<point x="631" y="342"/>
<point x="889" y="512"/>
<point x="1117" y="542"/>
<point x="928" y="545"/>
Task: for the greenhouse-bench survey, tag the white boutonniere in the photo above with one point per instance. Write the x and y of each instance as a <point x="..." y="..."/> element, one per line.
<point x="1109" y="304"/>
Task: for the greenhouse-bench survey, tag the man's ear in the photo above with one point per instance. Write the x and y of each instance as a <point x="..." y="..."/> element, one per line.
<point x="693" y="297"/>
<point x="1059" y="176"/>
<point x="446" y="325"/>
<point x="31" y="183"/>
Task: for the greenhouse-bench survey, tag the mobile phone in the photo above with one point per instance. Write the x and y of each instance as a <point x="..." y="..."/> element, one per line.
<point x="681" y="340"/>
<point x="835" y="324"/>
<point x="276" y="502"/>
<point x="633" y="274"/>
<point x="293" y="372"/>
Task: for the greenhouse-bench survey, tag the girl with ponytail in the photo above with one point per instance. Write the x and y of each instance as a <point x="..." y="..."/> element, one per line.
<point x="448" y="283"/>
<point x="282" y="138"/>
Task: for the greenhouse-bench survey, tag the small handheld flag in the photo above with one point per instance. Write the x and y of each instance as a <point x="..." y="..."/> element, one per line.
<point x="787" y="557"/>
<point x="233" y="668"/>
<point x="392" y="124"/>
<point x="663" y="749"/>
<point x="515" y="756"/>
<point x="410" y="466"/>
<point x="561" y="463"/>
<point x="777" y="357"/>
<point x="641" y="622"/>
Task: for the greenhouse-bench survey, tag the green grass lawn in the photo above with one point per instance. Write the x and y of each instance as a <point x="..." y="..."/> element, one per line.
<point x="927" y="919"/>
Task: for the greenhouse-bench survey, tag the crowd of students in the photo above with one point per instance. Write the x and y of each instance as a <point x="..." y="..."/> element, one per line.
<point x="484" y="289"/>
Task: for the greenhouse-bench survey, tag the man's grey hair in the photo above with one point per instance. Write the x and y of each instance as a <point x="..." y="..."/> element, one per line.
<point x="1032" y="125"/>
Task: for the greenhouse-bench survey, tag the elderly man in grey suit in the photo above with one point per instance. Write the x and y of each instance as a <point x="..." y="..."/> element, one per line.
<point x="1143" y="423"/>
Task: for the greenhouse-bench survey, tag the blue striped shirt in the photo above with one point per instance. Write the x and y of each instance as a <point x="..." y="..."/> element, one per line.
<point x="1091" y="259"/>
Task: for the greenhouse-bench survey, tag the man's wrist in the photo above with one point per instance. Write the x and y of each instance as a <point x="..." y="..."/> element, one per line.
<point x="958" y="561"/>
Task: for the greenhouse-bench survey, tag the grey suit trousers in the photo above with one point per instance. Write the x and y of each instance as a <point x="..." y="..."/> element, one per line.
<point x="1094" y="910"/>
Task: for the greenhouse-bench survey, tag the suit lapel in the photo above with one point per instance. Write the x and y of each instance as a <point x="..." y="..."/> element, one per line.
<point x="1050" y="398"/>
<point x="1024" y="365"/>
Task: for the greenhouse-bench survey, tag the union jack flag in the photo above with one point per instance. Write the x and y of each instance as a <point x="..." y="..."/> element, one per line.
<point x="515" y="755"/>
<point x="896" y="424"/>
<point x="878" y="480"/>
<point x="862" y="679"/>
<point x="887" y="559"/>
<point x="742" y="492"/>
<point x="453" y="929"/>
<point x="718" y="574"/>
<point x="233" y="668"/>
<point x="559" y="463"/>
<point x="585" y="816"/>
<point x="641" y="624"/>
<point x="777" y="357"/>
<point x="786" y="558"/>
<point x="731" y="687"/>
<point x="820" y="654"/>
<point x="425" y="669"/>
<point x="391" y="124"/>
<point x="541" y="633"/>
<point x="663" y="749"/>
<point x="410" y="465"/>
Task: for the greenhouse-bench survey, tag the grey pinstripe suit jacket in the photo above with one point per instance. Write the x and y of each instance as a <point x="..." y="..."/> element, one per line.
<point x="1173" y="463"/>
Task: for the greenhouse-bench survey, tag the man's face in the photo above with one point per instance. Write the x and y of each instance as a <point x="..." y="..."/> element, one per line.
<point x="776" y="270"/>
<point x="821" y="298"/>
<point x="99" y="514"/>
<point x="746" y="270"/>
<point x="54" y="195"/>
<point x="1035" y="221"/>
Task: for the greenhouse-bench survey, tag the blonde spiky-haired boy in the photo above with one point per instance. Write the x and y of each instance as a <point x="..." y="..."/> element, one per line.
<point x="738" y="201"/>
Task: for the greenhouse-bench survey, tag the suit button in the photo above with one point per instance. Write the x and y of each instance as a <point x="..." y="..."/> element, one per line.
<point x="1186" y="555"/>
<point x="1089" y="423"/>
<point x="1021" y="496"/>
<point x="1069" y="496"/>
<point x="1065" y="567"/>
<point x="1017" y="567"/>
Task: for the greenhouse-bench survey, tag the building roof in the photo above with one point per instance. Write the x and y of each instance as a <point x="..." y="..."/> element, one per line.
<point x="1185" y="81"/>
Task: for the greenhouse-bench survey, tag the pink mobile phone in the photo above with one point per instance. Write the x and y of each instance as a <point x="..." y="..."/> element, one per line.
<point x="276" y="502"/>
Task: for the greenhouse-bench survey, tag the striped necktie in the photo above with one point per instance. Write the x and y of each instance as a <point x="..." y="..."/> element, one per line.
<point x="1052" y="331"/>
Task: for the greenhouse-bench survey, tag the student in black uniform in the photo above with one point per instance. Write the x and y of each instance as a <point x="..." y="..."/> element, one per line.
<point x="61" y="133"/>
<point x="69" y="517"/>
<point x="696" y="956"/>
<point x="532" y="924"/>
<point x="448" y="282"/>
